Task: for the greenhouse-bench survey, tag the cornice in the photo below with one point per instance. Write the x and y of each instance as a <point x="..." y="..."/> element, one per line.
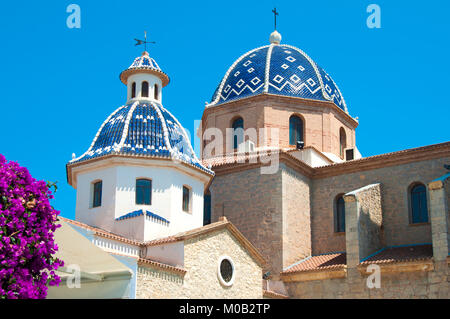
<point x="369" y="163"/>
<point x="289" y="99"/>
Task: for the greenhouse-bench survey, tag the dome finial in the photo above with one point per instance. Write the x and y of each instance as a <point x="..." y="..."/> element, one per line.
<point x="275" y="37"/>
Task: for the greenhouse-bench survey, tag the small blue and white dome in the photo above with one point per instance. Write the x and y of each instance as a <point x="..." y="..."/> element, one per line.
<point x="277" y="69"/>
<point x="143" y="127"/>
<point x="144" y="64"/>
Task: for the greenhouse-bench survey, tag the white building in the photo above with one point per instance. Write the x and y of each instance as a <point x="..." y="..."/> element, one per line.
<point x="140" y="194"/>
<point x="140" y="178"/>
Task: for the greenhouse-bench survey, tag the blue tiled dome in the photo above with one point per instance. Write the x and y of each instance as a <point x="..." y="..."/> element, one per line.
<point x="277" y="69"/>
<point x="144" y="64"/>
<point x="142" y="129"/>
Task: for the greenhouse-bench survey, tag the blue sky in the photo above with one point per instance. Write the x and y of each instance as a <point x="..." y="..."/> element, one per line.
<point x="59" y="84"/>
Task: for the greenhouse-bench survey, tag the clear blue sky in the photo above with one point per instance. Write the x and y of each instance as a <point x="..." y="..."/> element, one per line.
<point x="59" y="84"/>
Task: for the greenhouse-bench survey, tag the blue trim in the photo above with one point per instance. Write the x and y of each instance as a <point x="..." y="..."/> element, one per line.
<point x="442" y="178"/>
<point x="131" y="215"/>
<point x="150" y="214"/>
<point x="307" y="258"/>
<point x="141" y="212"/>
<point x="390" y="247"/>
<point x="297" y="263"/>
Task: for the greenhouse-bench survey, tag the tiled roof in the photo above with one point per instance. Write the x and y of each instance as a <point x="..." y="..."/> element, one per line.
<point x="162" y="266"/>
<point x="144" y="129"/>
<point x="400" y="254"/>
<point x="101" y="232"/>
<point x="277" y="69"/>
<point x="274" y="295"/>
<point x="223" y="223"/>
<point x="140" y="213"/>
<point x="105" y="234"/>
<point x="232" y="162"/>
<point x="146" y="64"/>
<point x="321" y="262"/>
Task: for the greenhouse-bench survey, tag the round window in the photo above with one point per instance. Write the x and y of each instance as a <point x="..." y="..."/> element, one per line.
<point x="226" y="271"/>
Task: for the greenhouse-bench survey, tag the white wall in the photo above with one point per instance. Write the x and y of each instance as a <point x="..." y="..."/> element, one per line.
<point x="118" y="199"/>
<point x="139" y="78"/>
<point x="102" y="216"/>
<point x="171" y="254"/>
<point x="310" y="157"/>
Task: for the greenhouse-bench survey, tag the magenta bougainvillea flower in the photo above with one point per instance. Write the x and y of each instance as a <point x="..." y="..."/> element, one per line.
<point x="27" y="224"/>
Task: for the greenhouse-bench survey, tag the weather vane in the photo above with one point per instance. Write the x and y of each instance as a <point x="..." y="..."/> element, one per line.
<point x="275" y="13"/>
<point x="144" y="42"/>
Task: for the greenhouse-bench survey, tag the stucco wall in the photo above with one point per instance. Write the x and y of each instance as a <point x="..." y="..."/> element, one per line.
<point x="202" y="255"/>
<point x="119" y="199"/>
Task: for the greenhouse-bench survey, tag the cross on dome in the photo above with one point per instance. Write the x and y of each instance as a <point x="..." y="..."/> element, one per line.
<point x="275" y="37"/>
<point x="275" y="13"/>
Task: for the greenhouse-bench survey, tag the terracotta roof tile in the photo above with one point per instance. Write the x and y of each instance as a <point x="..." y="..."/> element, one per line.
<point x="162" y="266"/>
<point x="401" y="254"/>
<point x="161" y="241"/>
<point x="321" y="262"/>
<point x="222" y="223"/>
<point x="101" y="232"/>
<point x="274" y="295"/>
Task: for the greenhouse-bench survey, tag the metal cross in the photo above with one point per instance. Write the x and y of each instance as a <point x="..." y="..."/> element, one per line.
<point x="275" y="13"/>
<point x="144" y="42"/>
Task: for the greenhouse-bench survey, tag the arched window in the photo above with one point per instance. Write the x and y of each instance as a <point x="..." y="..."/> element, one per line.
<point x="340" y="214"/>
<point x="143" y="192"/>
<point x="133" y="90"/>
<point x="238" y="132"/>
<point x="144" y="91"/>
<point x="418" y="203"/>
<point x="97" y="194"/>
<point x="156" y="92"/>
<point x="295" y="130"/>
<point x="342" y="142"/>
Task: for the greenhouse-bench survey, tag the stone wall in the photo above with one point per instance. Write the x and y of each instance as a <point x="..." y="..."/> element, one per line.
<point x="447" y="192"/>
<point x="363" y="221"/>
<point x="395" y="181"/>
<point x="201" y="260"/>
<point x="405" y="285"/>
<point x="201" y="280"/>
<point x="252" y="202"/>
<point x="296" y="216"/>
<point x="155" y="283"/>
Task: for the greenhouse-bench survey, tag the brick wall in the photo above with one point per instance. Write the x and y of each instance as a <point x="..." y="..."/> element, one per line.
<point x="321" y="121"/>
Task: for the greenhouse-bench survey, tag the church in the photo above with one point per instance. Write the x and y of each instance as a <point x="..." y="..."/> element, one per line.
<point x="280" y="204"/>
